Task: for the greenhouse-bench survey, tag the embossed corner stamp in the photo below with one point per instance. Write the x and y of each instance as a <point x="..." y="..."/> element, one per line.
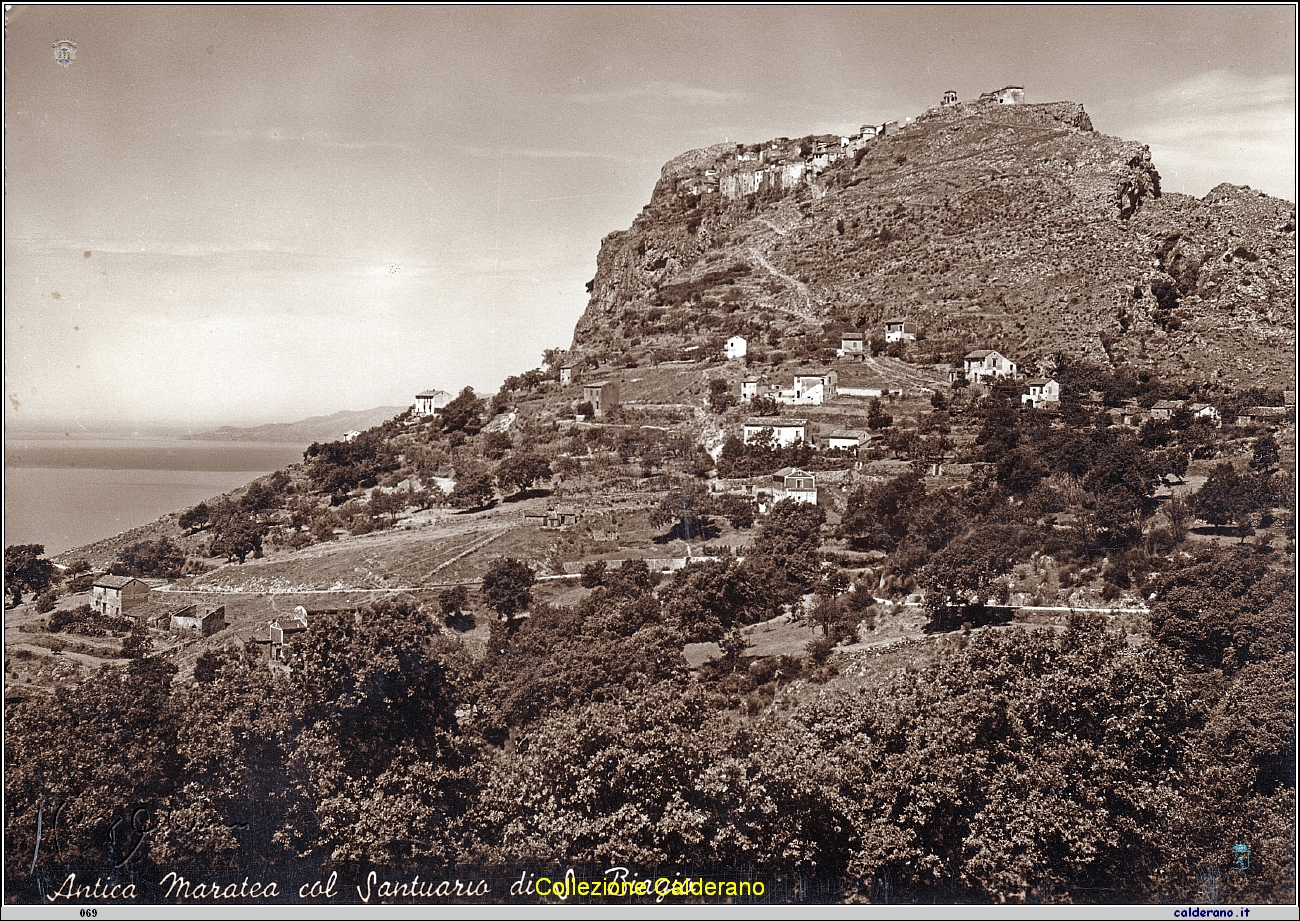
<point x="65" y="50"/>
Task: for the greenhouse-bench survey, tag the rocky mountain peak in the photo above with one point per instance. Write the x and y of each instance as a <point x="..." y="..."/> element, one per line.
<point x="1012" y="226"/>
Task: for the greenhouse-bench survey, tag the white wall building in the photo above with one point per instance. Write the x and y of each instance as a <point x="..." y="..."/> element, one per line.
<point x="784" y="431"/>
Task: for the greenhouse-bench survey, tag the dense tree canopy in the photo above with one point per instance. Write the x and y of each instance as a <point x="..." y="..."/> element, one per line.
<point x="1229" y="497"/>
<point x="507" y="588"/>
<point x="26" y="570"/>
<point x="522" y="470"/>
<point x="463" y="414"/>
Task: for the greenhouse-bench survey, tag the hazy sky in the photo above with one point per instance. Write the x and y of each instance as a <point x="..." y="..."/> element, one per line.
<point x="234" y="216"/>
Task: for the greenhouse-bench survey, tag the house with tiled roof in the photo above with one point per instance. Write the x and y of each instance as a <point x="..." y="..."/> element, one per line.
<point x="1042" y="391"/>
<point x="430" y="402"/>
<point x="784" y="431"/>
<point x="899" y="329"/>
<point x="112" y="595"/>
<point x="983" y="364"/>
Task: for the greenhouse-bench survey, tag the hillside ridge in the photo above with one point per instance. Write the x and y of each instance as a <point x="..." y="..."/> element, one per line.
<point x="1010" y="226"/>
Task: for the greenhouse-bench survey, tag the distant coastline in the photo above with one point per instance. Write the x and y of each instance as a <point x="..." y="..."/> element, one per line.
<point x="70" y="493"/>
<point x="68" y="487"/>
<point x="317" y="428"/>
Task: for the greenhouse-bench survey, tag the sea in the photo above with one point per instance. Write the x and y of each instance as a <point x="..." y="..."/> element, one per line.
<point x="65" y="493"/>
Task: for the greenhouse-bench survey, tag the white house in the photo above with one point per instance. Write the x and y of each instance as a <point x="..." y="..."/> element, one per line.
<point x="982" y="364"/>
<point x="736" y="347"/>
<point x="851" y="346"/>
<point x="810" y="388"/>
<point x="1041" y="392"/>
<point x="784" y="431"/>
<point x="748" y="389"/>
<point x="846" y="441"/>
<point x="430" y="402"/>
<point x="795" y="484"/>
<point x="898" y="329"/>
<point x="566" y="375"/>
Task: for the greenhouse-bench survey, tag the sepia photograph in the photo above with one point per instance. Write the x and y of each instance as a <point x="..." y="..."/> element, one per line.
<point x="664" y="458"/>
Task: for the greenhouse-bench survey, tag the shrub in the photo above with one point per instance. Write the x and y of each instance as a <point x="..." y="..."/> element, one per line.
<point x="593" y="574"/>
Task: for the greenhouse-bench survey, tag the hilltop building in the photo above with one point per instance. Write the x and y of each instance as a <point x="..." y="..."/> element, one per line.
<point x="1007" y="96"/>
<point x="430" y="402"/>
<point x="949" y="98"/>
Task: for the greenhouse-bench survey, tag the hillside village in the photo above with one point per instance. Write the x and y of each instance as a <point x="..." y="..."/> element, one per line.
<point x="758" y="424"/>
<point x="761" y="490"/>
<point x="784" y="165"/>
<point x="608" y="446"/>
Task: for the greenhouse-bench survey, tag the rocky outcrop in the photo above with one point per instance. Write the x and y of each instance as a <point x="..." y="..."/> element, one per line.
<point x="1016" y="227"/>
<point x="1141" y="182"/>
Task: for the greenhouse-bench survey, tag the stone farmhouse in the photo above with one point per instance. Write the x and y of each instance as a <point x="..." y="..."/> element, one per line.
<point x="112" y="596"/>
<point x="556" y="518"/>
<point x="198" y="621"/>
<point x="1163" y="410"/>
<point x="282" y="632"/>
<point x="852" y="345"/>
<point x="602" y="395"/>
<point x="846" y="441"/>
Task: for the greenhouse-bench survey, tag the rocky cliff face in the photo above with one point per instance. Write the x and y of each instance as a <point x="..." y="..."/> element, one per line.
<point x="1014" y="227"/>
